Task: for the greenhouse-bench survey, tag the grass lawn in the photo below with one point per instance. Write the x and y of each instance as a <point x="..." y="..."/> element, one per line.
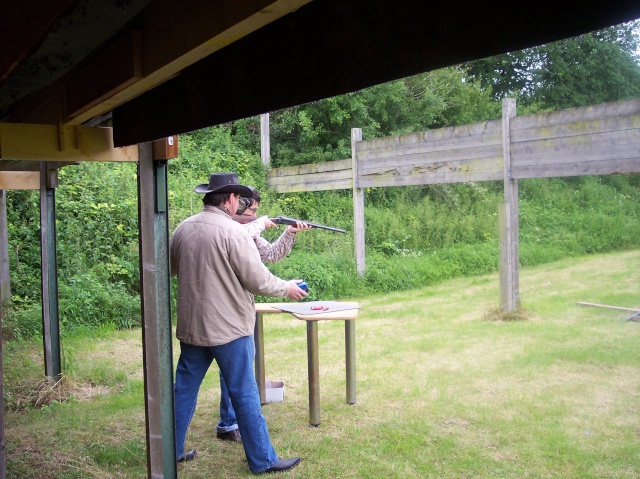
<point x="443" y="391"/>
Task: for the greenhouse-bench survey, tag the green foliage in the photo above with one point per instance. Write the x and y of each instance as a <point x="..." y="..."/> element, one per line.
<point x="321" y="131"/>
<point x="88" y="303"/>
<point x="598" y="67"/>
<point x="415" y="236"/>
<point x="97" y="251"/>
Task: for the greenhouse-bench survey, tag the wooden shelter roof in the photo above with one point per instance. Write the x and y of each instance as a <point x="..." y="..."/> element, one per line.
<point x="160" y="67"/>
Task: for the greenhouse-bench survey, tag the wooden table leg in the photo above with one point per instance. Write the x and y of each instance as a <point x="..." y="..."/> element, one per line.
<point x="314" y="373"/>
<point x="258" y="337"/>
<point x="350" y="348"/>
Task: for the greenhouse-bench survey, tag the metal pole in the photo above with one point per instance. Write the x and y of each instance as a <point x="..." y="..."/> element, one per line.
<point x="49" y="268"/>
<point x="314" y="373"/>
<point x="156" y="315"/>
<point x="258" y="338"/>
<point x="5" y="280"/>
<point x="350" y="349"/>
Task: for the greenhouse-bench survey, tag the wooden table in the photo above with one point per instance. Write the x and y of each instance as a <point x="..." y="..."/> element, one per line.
<point x="348" y="316"/>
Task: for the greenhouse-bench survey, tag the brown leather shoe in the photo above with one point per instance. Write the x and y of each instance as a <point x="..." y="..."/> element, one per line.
<point x="233" y="436"/>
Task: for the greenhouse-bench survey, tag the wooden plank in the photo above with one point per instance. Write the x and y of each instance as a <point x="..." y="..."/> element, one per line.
<point x="105" y="75"/>
<point x="485" y="169"/>
<point x="337" y="165"/>
<point x="526" y="132"/>
<point x="574" y="115"/>
<point x="312" y="178"/>
<point x="320" y="182"/>
<point x="444" y="139"/>
<point x="330" y="175"/>
<point x="633" y="310"/>
<point x="600" y="146"/>
<point x="405" y="159"/>
<point x="19" y="180"/>
<point x="578" y="168"/>
<point x="22" y="141"/>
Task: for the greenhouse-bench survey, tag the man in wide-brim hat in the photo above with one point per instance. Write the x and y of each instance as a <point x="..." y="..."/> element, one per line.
<point x="219" y="270"/>
<point x="224" y="183"/>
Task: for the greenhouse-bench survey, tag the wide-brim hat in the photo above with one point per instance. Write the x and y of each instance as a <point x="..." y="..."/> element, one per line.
<point x="224" y="183"/>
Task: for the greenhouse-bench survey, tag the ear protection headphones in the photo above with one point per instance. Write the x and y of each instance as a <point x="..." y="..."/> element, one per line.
<point x="244" y="202"/>
<point x="243" y="205"/>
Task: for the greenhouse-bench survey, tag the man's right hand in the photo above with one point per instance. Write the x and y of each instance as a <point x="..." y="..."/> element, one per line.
<point x="268" y="223"/>
<point x="295" y="292"/>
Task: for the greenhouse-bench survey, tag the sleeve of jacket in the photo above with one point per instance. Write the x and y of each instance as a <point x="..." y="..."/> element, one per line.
<point x="251" y="272"/>
<point x="255" y="227"/>
<point x="273" y="252"/>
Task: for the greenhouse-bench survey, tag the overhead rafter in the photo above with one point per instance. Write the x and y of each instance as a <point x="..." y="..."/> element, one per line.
<point x="168" y="37"/>
<point x="21" y="141"/>
<point x="332" y="47"/>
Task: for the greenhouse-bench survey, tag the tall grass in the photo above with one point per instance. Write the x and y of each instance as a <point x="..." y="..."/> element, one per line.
<point x="442" y="392"/>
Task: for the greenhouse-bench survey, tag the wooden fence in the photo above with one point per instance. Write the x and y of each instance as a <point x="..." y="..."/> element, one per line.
<point x="596" y="140"/>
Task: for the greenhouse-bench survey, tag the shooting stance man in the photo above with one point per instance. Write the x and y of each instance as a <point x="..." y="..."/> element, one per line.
<point x="219" y="270"/>
<point x="227" y="427"/>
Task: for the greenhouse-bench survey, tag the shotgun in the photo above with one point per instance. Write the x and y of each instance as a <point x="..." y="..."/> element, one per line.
<point x="284" y="220"/>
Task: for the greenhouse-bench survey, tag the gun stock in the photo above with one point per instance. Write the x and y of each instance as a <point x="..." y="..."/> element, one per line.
<point x="283" y="220"/>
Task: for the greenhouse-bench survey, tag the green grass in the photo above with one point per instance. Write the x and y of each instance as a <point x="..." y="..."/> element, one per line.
<point x="443" y="390"/>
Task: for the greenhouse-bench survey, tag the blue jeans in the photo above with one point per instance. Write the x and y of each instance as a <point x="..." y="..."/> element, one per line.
<point x="235" y="360"/>
<point x="228" y="421"/>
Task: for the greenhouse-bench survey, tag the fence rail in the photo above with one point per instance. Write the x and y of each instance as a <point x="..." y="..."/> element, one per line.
<point x="595" y="140"/>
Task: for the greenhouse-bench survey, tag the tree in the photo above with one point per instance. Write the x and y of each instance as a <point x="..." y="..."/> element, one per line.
<point x="598" y="67"/>
<point x="321" y="130"/>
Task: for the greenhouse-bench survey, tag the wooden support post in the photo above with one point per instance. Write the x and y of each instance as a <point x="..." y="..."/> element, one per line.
<point x="258" y="339"/>
<point x="49" y="268"/>
<point x="350" y="360"/>
<point x="265" y="142"/>
<point x="156" y="315"/>
<point x="5" y="281"/>
<point x="358" y="204"/>
<point x="313" y="367"/>
<point x="509" y="230"/>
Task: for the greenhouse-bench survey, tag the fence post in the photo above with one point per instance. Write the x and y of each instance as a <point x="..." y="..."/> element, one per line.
<point x="265" y="145"/>
<point x="508" y="214"/>
<point x="358" y="204"/>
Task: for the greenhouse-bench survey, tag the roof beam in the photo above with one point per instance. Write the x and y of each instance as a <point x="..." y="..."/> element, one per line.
<point x="332" y="47"/>
<point x="19" y="180"/>
<point x="168" y="37"/>
<point x="22" y="141"/>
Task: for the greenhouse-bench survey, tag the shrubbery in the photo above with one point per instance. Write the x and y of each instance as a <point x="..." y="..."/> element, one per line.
<point x="415" y="236"/>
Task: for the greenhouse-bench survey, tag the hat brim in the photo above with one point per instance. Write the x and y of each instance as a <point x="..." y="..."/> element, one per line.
<point x="240" y="189"/>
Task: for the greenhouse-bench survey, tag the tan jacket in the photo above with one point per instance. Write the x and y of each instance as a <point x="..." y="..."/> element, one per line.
<point x="218" y="266"/>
